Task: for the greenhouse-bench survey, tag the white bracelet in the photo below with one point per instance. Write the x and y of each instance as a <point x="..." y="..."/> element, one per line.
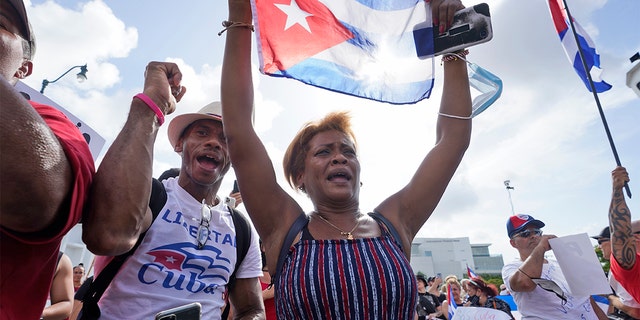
<point x="454" y="117"/>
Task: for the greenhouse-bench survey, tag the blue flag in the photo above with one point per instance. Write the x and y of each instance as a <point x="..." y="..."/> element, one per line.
<point x="375" y="49"/>
<point x="561" y="22"/>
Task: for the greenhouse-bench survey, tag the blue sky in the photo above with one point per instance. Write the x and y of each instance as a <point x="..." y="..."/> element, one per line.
<point x="544" y="133"/>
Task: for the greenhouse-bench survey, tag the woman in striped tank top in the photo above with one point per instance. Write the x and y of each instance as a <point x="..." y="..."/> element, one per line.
<point x="338" y="262"/>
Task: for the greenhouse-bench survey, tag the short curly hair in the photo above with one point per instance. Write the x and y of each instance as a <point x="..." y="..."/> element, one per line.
<point x="294" y="157"/>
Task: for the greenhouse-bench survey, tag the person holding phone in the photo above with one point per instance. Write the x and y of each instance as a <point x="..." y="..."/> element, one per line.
<point x="337" y="240"/>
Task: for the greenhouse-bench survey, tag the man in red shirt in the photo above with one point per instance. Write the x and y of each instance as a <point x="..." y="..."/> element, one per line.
<point x="625" y="237"/>
<point x="45" y="172"/>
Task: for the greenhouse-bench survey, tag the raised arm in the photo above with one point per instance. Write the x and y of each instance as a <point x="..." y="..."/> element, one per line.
<point x="119" y="202"/>
<point x="411" y="207"/>
<point x="623" y="246"/>
<point x="263" y="198"/>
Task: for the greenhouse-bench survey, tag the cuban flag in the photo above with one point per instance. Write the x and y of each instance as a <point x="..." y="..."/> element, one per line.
<point x="471" y="274"/>
<point x="376" y="49"/>
<point x="561" y="22"/>
<point x="452" y="302"/>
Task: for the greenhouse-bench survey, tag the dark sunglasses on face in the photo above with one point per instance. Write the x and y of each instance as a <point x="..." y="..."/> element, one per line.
<point x="601" y="241"/>
<point x="527" y="233"/>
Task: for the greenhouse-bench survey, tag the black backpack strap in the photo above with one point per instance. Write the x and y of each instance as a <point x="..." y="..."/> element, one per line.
<point x="394" y="233"/>
<point x="297" y="225"/>
<point x="90" y="309"/>
<point x="243" y="241"/>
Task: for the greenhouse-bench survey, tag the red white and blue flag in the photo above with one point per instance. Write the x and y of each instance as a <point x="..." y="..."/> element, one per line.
<point x="376" y="49"/>
<point x="471" y="274"/>
<point x="452" y="302"/>
<point x="561" y="22"/>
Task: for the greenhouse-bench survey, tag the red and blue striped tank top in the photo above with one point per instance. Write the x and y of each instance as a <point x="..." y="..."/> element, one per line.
<point x="367" y="278"/>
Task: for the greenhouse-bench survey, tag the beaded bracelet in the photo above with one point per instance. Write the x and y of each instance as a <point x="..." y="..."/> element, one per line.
<point x="233" y="24"/>
<point x="152" y="105"/>
<point x="453" y="56"/>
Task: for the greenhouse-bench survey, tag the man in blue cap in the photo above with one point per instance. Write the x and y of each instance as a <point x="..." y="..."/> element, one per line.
<point x="537" y="284"/>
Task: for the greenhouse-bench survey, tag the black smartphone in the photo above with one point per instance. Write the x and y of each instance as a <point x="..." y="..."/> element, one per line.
<point x="470" y="26"/>
<point x="191" y="311"/>
<point x="235" y="187"/>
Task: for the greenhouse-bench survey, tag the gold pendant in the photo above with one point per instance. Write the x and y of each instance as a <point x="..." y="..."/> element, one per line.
<point x="348" y="234"/>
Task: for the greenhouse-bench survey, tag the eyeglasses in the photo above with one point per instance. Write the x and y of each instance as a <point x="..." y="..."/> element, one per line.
<point x="203" y="229"/>
<point x="603" y="240"/>
<point x="550" y="286"/>
<point x="527" y="233"/>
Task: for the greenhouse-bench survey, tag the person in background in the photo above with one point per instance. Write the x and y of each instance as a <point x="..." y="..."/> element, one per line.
<point x="322" y="162"/>
<point x="503" y="290"/>
<point x="78" y="276"/>
<point x="46" y="169"/>
<point x="61" y="293"/>
<point x="486" y="296"/>
<point x="267" y="289"/>
<point x="78" y="298"/>
<point x="428" y="306"/>
<point x="434" y="287"/>
<point x="456" y="291"/>
<point x="625" y="237"/>
<point x="536" y="283"/>
<point x="621" y="303"/>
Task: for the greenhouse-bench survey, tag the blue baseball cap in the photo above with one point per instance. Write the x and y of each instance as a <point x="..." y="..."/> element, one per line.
<point x="520" y="222"/>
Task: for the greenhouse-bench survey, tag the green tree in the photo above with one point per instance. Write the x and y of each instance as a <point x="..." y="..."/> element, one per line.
<point x="604" y="262"/>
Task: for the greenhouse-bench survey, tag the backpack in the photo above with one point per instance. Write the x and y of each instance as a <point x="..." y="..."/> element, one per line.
<point x="90" y="308"/>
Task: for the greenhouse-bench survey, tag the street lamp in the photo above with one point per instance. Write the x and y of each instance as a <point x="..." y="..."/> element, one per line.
<point x="82" y="76"/>
<point x="507" y="183"/>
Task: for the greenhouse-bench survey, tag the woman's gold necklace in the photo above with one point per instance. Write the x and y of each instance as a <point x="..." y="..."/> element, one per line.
<point x="348" y="234"/>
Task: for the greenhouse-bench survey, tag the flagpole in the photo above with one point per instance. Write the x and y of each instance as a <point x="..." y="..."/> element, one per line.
<point x="595" y="94"/>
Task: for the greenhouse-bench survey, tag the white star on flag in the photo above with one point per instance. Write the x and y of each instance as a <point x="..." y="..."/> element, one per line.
<point x="295" y="15"/>
<point x="171" y="259"/>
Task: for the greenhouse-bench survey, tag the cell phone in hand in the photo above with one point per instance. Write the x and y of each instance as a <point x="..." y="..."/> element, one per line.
<point x="191" y="311"/>
<point x="439" y="275"/>
<point x="471" y="26"/>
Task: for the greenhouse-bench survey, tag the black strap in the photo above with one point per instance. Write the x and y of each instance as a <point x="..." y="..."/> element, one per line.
<point x="394" y="233"/>
<point x="243" y="241"/>
<point x="90" y="309"/>
<point x="297" y="225"/>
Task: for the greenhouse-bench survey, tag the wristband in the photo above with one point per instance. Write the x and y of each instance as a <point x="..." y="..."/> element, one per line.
<point x="152" y="105"/>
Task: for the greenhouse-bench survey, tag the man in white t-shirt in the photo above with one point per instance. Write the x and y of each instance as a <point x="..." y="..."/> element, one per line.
<point x="537" y="285"/>
<point x="189" y="250"/>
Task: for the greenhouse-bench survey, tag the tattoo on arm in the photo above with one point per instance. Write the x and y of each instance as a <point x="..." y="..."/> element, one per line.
<point x="622" y="239"/>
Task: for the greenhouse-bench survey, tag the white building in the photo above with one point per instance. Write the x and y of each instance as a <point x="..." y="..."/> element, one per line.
<point x="431" y="256"/>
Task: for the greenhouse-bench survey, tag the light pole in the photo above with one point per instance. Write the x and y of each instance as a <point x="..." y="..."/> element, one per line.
<point x="506" y="184"/>
<point x="82" y="76"/>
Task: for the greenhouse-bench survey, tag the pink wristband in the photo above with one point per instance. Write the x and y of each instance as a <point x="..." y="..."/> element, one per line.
<point x="152" y="105"/>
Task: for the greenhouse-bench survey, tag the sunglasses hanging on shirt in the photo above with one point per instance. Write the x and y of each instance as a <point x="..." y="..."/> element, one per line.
<point x="203" y="229"/>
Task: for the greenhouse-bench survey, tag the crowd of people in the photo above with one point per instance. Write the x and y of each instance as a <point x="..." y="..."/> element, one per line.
<point x="168" y="242"/>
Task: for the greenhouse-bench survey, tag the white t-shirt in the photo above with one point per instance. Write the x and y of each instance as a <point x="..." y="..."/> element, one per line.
<point x="167" y="270"/>
<point x="545" y="305"/>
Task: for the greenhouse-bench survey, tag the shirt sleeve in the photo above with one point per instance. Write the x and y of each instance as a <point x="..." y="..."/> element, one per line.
<point x="79" y="157"/>
<point x="629" y="279"/>
<point x="251" y="266"/>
